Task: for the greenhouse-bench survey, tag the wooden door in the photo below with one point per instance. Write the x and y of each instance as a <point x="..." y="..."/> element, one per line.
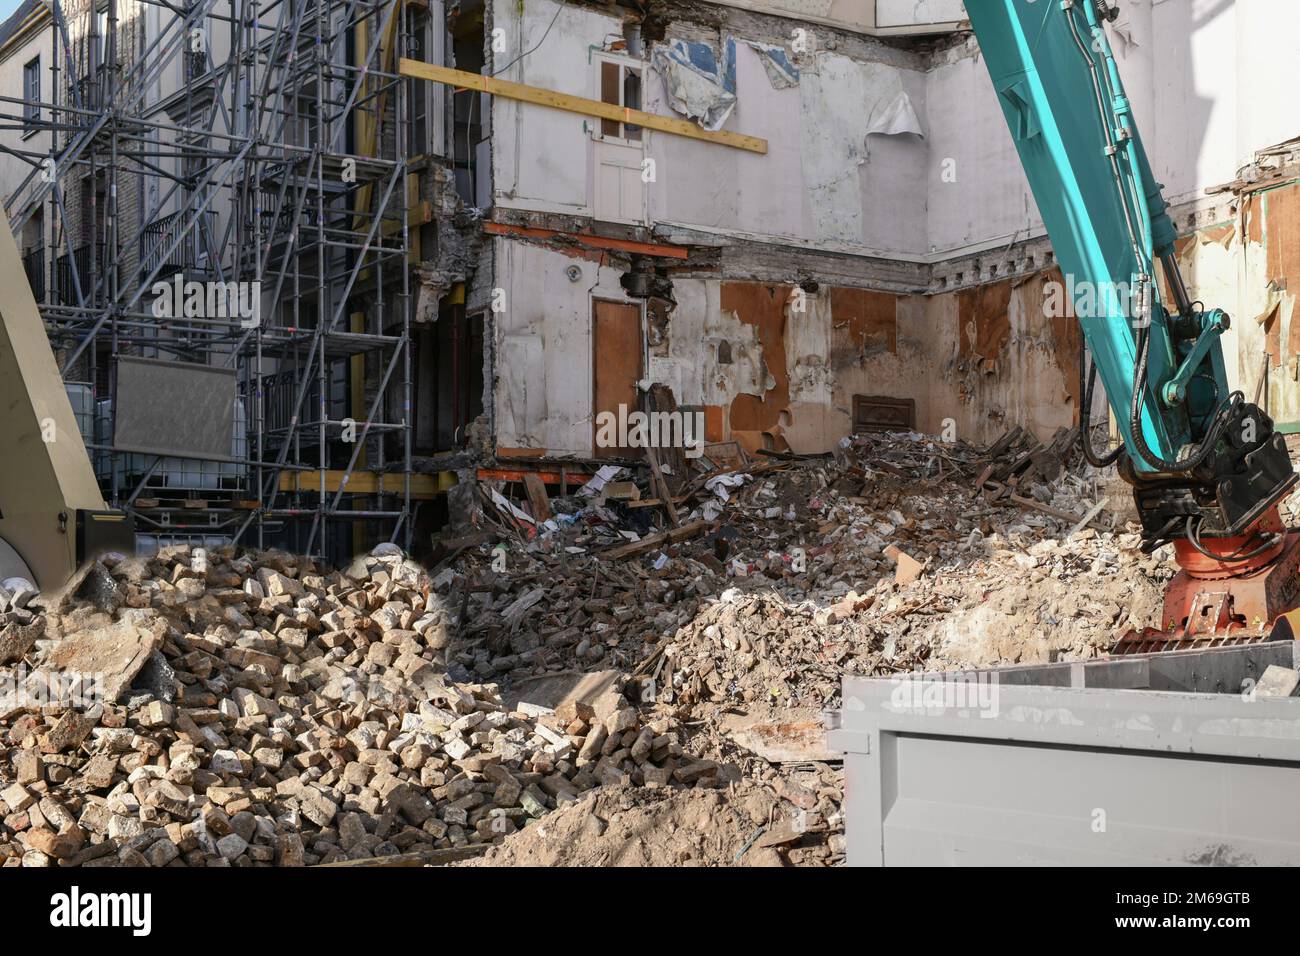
<point x="616" y="351"/>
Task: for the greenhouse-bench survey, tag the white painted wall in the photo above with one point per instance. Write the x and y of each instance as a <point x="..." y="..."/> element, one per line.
<point x="543" y="387"/>
<point x="823" y="182"/>
<point x="1210" y="82"/>
<point x="542" y="157"/>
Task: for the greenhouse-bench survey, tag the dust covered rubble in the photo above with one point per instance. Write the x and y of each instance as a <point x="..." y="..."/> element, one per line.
<point x="630" y="826"/>
<point x="887" y="556"/>
<point x="274" y="712"/>
<point x="286" y="715"/>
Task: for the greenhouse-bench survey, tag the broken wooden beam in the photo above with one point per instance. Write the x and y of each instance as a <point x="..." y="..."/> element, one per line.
<point x="645" y="545"/>
<point x="537" y="498"/>
<point x="661" y="487"/>
<point x="996" y="492"/>
<point x="655" y="249"/>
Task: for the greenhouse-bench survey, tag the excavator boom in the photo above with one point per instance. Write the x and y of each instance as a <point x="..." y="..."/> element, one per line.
<point x="1208" y="469"/>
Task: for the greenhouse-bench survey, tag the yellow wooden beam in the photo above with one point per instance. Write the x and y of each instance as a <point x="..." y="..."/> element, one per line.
<point x="576" y="104"/>
<point x="365" y="482"/>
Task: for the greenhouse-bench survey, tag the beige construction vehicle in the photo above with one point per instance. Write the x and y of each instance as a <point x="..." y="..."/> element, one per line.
<point x="52" y="515"/>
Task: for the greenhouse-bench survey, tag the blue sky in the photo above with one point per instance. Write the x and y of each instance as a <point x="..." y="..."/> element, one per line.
<point x="7" y="7"/>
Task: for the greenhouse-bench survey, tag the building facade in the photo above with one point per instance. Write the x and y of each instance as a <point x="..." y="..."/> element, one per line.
<point x="841" y="237"/>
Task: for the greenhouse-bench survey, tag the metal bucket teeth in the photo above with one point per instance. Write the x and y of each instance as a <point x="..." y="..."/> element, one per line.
<point x="1158" y="642"/>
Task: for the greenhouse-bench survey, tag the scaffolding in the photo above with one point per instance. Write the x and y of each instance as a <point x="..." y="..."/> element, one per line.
<point x="246" y="142"/>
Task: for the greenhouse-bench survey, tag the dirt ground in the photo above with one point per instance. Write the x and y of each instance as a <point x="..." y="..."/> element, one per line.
<point x="736" y="826"/>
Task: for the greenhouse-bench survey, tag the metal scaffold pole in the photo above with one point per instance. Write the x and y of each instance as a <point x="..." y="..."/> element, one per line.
<point x="249" y="144"/>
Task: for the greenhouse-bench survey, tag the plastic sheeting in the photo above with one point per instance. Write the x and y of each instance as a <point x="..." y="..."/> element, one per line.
<point x="781" y="71"/>
<point x="699" y="85"/>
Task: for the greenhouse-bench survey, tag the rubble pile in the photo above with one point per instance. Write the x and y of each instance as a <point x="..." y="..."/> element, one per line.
<point x="281" y="715"/>
<point x="256" y="709"/>
<point x="637" y="827"/>
<point x="897" y="552"/>
<point x="796" y="570"/>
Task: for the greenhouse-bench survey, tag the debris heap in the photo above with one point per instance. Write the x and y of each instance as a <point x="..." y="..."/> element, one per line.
<point x="740" y="614"/>
<point x="262" y="711"/>
<point x="256" y="709"/>
<point x="786" y="573"/>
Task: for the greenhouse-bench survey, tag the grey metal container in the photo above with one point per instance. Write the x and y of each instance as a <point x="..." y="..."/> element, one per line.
<point x="1158" y="759"/>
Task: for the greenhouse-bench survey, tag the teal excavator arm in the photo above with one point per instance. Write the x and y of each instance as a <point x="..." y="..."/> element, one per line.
<point x="1202" y="461"/>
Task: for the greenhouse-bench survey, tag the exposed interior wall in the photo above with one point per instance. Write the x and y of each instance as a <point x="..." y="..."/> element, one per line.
<point x="542" y="341"/>
<point x="840" y="189"/>
<point x="540" y="157"/>
<point x="1204" y="79"/>
<point x="1249" y="265"/>
<point x="773" y="368"/>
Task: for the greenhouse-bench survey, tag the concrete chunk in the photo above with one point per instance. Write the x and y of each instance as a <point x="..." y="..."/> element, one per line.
<point x="1277" y="681"/>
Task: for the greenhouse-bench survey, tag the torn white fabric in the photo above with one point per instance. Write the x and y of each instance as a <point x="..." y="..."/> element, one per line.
<point x="894" y="116"/>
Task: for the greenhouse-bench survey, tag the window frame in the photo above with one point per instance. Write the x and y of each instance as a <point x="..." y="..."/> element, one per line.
<point x="624" y="65"/>
<point x="31" y="103"/>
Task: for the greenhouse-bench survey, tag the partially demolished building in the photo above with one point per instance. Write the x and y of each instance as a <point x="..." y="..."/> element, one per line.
<point x="880" y="262"/>
<point x="786" y="221"/>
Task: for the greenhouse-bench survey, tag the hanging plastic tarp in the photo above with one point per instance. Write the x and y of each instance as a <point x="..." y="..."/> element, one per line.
<point x="781" y="71"/>
<point x="700" y="86"/>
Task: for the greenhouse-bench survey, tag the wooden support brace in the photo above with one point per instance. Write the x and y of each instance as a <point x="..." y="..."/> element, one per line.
<point x="576" y="104"/>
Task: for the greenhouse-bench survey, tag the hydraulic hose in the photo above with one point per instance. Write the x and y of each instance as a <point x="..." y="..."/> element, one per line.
<point x="1085" y="417"/>
<point x="1194" y="536"/>
<point x="1208" y="444"/>
<point x="1105" y="83"/>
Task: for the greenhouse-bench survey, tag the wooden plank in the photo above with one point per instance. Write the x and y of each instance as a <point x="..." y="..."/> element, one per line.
<point x="655" y="502"/>
<point x="359" y="482"/>
<point x="548" y="477"/>
<point x="576" y="104"/>
<point x="625" y="491"/>
<point x="654" y="541"/>
<point x="537" y="499"/>
<point x="662" y="486"/>
<point x="657" y="249"/>
<point x="796" y="735"/>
